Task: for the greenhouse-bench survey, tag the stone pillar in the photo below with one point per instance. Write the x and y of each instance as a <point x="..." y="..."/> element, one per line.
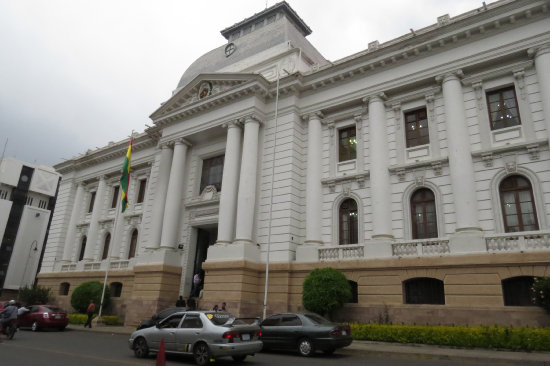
<point x="542" y="65"/>
<point x="169" y="237"/>
<point x="313" y="180"/>
<point x="230" y="183"/>
<point x="246" y="198"/>
<point x="460" y="157"/>
<point x="71" y="230"/>
<point x="379" y="173"/>
<point x="164" y="161"/>
<point x="93" y="231"/>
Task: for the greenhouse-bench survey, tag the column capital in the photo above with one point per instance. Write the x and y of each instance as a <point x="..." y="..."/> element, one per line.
<point x="165" y="145"/>
<point x="232" y="124"/>
<point x="456" y="75"/>
<point x="313" y="115"/>
<point x="376" y="97"/>
<point x="535" y="52"/>
<point x="251" y="118"/>
<point x="182" y="141"/>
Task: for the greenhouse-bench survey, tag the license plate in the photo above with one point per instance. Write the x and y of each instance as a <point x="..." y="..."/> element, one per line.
<point x="245" y="337"/>
<point x="344" y="332"/>
<point x="58" y="316"/>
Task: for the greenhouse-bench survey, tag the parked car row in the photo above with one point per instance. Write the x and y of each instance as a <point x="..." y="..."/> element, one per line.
<point x="38" y="317"/>
<point x="213" y="334"/>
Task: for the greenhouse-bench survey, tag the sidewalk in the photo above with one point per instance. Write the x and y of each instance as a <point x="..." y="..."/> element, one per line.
<point x="398" y="350"/>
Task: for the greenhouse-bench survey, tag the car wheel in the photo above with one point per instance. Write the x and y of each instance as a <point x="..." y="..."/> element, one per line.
<point x="201" y="354"/>
<point x="305" y="347"/>
<point x="34" y="326"/>
<point x="141" y="349"/>
<point x="329" y="351"/>
<point x="239" y="358"/>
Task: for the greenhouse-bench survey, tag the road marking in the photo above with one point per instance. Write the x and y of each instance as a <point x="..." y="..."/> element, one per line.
<point x="78" y="355"/>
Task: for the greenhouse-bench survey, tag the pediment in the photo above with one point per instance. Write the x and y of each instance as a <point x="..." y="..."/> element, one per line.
<point x="204" y="87"/>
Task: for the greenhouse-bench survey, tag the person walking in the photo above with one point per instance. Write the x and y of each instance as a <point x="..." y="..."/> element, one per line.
<point x="223" y="307"/>
<point x="90" y="311"/>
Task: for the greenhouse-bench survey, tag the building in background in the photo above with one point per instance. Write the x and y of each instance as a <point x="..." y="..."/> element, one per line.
<point x="419" y="167"/>
<point x="27" y="200"/>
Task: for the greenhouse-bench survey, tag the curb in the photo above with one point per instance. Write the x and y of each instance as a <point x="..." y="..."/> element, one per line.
<point x="402" y="351"/>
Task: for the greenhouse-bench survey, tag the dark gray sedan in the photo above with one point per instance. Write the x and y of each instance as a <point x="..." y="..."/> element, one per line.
<point x="203" y="334"/>
<point x="305" y="332"/>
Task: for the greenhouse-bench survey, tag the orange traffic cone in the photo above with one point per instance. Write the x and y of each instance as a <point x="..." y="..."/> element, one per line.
<point x="161" y="355"/>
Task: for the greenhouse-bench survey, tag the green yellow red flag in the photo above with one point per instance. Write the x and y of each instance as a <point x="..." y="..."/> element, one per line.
<point x="125" y="179"/>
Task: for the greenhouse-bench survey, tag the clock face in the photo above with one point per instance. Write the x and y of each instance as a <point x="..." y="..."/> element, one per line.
<point x="205" y="89"/>
<point x="229" y="49"/>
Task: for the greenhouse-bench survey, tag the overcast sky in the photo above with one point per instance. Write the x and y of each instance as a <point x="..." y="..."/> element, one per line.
<point x="76" y="74"/>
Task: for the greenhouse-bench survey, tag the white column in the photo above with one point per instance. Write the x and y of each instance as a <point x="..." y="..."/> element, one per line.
<point x="71" y="230"/>
<point x="164" y="161"/>
<point x="313" y="180"/>
<point x="230" y="183"/>
<point x="169" y="237"/>
<point x="246" y="198"/>
<point x="379" y="174"/>
<point x="460" y="157"/>
<point x="93" y="231"/>
<point x="542" y="64"/>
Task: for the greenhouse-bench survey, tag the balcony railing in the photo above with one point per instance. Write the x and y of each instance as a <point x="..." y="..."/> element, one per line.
<point x="96" y="266"/>
<point x="518" y="242"/>
<point x="421" y="248"/>
<point x="341" y="252"/>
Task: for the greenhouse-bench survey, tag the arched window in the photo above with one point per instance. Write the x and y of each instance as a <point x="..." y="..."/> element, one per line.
<point x="133" y="244"/>
<point x="517" y="291"/>
<point x="64" y="288"/>
<point x="354" y="294"/>
<point x="424" y="290"/>
<point x="82" y="248"/>
<point x="348" y="222"/>
<point x="106" y="246"/>
<point x="424" y="218"/>
<point x="116" y="289"/>
<point x="518" y="204"/>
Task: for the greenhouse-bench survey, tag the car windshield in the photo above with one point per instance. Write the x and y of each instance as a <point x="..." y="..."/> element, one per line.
<point x="219" y="318"/>
<point x="316" y="319"/>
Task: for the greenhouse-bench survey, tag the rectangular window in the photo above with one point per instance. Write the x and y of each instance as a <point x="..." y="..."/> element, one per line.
<point x="115" y="197"/>
<point x="141" y="192"/>
<point x="42" y="204"/>
<point x="29" y="201"/>
<point x="3" y="194"/>
<point x="503" y="108"/>
<point x="212" y="172"/>
<point x="416" y="128"/>
<point x="92" y="200"/>
<point x="347" y="144"/>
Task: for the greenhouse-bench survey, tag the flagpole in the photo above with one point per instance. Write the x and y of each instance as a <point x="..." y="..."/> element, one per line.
<point x="124" y="190"/>
<point x="271" y="204"/>
<point x="111" y="245"/>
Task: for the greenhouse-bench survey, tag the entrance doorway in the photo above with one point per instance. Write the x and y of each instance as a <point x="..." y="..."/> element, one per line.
<point x="206" y="236"/>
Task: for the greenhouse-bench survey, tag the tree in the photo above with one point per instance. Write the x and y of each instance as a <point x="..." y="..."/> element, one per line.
<point x="541" y="292"/>
<point x="34" y="295"/>
<point x="325" y="290"/>
<point x="80" y="299"/>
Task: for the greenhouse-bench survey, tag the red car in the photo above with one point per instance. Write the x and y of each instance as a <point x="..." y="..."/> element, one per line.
<point x="43" y="316"/>
<point x="3" y="304"/>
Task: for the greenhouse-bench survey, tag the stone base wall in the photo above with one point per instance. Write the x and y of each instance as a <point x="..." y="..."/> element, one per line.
<point x="473" y="288"/>
<point x="145" y="290"/>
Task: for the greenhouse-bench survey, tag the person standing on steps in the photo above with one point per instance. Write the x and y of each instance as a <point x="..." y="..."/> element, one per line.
<point x="90" y="311"/>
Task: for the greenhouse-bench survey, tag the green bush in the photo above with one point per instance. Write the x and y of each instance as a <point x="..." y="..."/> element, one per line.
<point x="77" y="318"/>
<point x="80" y="299"/>
<point x="325" y="290"/>
<point x="34" y="295"/>
<point x="513" y="338"/>
<point x="541" y="292"/>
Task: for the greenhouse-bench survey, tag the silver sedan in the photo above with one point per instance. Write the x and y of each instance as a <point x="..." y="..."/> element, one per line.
<point x="204" y="334"/>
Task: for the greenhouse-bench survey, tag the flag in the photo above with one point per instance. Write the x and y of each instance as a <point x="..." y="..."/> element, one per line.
<point x="125" y="179"/>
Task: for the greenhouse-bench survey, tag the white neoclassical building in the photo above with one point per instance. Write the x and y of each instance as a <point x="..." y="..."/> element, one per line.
<point x="419" y="167"/>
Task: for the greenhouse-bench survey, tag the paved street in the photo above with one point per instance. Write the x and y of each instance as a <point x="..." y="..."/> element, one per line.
<point x="86" y="348"/>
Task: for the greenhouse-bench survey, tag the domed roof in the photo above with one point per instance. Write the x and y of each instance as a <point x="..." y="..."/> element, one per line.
<point x="247" y="38"/>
